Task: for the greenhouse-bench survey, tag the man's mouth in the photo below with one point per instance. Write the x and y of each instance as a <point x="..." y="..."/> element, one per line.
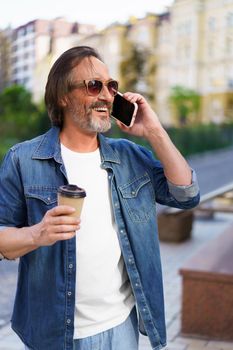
<point x="101" y="109"/>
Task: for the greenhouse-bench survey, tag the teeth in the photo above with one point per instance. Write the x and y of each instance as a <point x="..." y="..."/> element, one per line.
<point x="101" y="109"/>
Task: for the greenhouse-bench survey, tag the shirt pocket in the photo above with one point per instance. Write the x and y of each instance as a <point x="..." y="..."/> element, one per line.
<point x="39" y="200"/>
<point x="138" y="198"/>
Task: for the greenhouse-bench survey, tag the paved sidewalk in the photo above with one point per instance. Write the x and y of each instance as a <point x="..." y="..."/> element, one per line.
<point x="173" y="257"/>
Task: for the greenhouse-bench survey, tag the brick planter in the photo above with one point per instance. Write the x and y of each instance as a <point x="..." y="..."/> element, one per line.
<point x="207" y="301"/>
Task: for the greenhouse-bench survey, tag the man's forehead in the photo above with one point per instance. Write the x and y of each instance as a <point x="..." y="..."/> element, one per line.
<point x="92" y="67"/>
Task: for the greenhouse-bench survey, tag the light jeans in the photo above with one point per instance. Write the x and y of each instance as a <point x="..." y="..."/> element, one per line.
<point x="122" y="337"/>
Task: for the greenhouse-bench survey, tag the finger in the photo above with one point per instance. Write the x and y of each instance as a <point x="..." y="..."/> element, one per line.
<point x="134" y="97"/>
<point x="122" y="126"/>
<point x="61" y="210"/>
<point x="67" y="220"/>
<point x="62" y="236"/>
<point x="64" y="228"/>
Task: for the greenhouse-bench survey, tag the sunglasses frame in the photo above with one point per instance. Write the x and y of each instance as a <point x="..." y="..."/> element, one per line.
<point x="84" y="83"/>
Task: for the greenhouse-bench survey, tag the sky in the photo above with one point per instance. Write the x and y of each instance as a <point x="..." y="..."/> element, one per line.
<point x="98" y="12"/>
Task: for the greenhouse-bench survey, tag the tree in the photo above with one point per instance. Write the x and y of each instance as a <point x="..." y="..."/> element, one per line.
<point x="18" y="112"/>
<point x="132" y="67"/>
<point x="186" y="103"/>
<point x="20" y="118"/>
<point x="137" y="71"/>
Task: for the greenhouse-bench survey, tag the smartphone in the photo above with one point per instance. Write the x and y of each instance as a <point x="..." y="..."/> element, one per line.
<point x="123" y="110"/>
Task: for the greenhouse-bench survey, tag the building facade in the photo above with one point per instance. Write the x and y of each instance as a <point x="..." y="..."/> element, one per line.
<point x="35" y="46"/>
<point x="197" y="53"/>
<point x="5" y="62"/>
<point x="191" y="45"/>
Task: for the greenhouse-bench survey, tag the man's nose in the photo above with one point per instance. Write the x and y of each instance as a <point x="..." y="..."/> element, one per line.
<point x="105" y="94"/>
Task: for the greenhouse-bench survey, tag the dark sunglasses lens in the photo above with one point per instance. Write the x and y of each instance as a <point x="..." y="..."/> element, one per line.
<point x="94" y="87"/>
<point x="113" y="87"/>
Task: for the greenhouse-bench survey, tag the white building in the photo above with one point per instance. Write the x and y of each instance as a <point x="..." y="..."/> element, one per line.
<point x="36" y="45"/>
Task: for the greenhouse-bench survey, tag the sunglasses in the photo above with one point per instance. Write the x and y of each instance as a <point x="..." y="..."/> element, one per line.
<point x="95" y="86"/>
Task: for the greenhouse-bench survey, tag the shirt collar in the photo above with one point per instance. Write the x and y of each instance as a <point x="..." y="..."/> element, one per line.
<point x="49" y="147"/>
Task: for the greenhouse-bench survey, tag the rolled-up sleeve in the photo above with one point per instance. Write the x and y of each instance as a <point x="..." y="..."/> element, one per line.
<point x="185" y="193"/>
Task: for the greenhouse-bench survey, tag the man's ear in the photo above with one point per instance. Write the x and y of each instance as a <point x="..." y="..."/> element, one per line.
<point x="63" y="102"/>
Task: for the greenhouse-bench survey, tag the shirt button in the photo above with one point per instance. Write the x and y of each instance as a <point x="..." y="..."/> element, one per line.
<point x="130" y="260"/>
<point x="133" y="193"/>
<point x="136" y="285"/>
<point x="121" y="231"/>
<point x="144" y="310"/>
<point x="70" y="266"/>
<point x="69" y="294"/>
<point x="68" y="320"/>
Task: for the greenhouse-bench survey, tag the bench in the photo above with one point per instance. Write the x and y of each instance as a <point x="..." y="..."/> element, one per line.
<point x="207" y="296"/>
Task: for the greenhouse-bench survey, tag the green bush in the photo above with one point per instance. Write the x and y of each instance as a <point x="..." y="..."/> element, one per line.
<point x="200" y="138"/>
<point x="20" y="117"/>
<point x="191" y="139"/>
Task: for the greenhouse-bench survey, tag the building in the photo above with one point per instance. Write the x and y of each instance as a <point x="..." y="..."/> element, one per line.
<point x="36" y="44"/>
<point x="5" y="54"/>
<point x="163" y="71"/>
<point x="190" y="45"/>
<point x="195" y="49"/>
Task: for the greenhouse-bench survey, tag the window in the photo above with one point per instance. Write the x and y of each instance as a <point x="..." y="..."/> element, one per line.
<point x="212" y="24"/>
<point x="211" y="48"/>
<point x="184" y="28"/>
<point x="187" y="51"/>
<point x="30" y="28"/>
<point x="229" y="19"/>
<point x="25" y="80"/>
<point x="229" y="45"/>
<point x="14" y="48"/>
<point x="14" y="60"/>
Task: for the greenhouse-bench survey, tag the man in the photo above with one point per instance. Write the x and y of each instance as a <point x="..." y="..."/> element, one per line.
<point x="86" y="284"/>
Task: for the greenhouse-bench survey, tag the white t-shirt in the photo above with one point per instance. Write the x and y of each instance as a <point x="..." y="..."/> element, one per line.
<point x="104" y="296"/>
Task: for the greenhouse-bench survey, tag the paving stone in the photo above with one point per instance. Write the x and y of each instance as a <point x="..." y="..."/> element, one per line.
<point x="213" y="345"/>
<point x="192" y="341"/>
<point x="175" y="346"/>
<point x="191" y="347"/>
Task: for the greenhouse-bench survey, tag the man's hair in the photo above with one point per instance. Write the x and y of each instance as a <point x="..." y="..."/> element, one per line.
<point x="60" y="79"/>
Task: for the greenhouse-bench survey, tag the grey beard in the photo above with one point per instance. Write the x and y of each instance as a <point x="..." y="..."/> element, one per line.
<point x="94" y="125"/>
<point x="100" y="125"/>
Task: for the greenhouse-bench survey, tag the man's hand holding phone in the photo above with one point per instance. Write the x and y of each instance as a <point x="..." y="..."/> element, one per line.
<point x="140" y="119"/>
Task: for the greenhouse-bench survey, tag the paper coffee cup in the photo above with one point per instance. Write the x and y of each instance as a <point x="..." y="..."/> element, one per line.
<point x="73" y="196"/>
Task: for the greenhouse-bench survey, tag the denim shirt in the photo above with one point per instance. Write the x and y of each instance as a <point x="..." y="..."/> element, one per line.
<point x="30" y="175"/>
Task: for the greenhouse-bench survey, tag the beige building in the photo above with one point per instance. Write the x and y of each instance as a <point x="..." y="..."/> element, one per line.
<point x="142" y="34"/>
<point x="114" y="44"/>
<point x="197" y="52"/>
<point x="108" y="42"/>
<point x="216" y="76"/>
<point x="5" y="62"/>
<point x="163" y="73"/>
